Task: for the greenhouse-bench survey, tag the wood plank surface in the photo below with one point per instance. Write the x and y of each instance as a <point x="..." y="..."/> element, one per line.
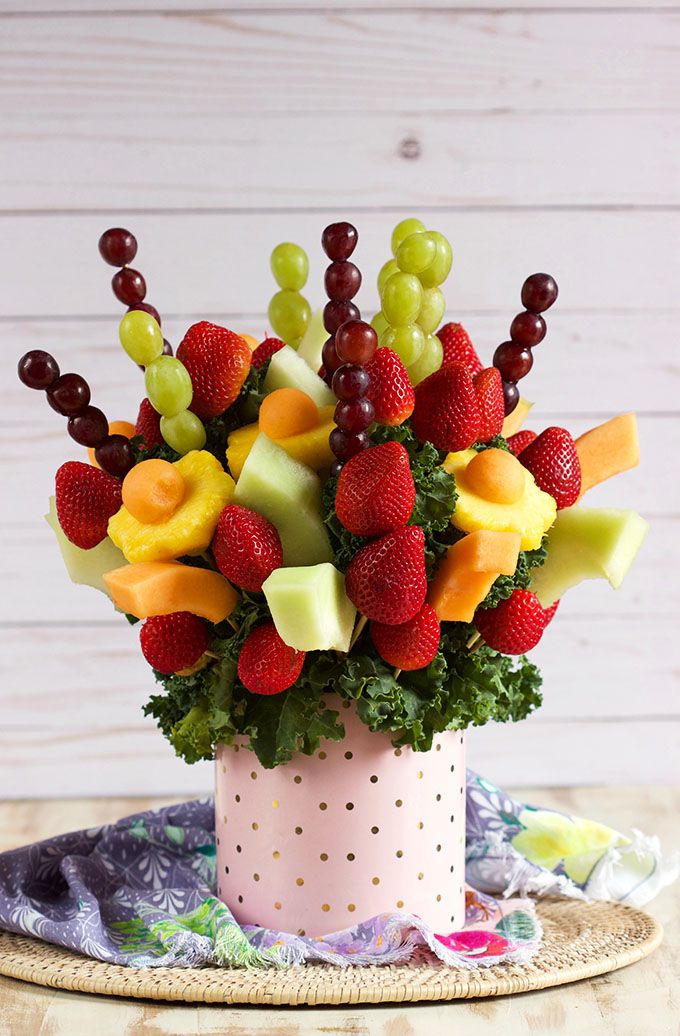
<point x="635" y="1000"/>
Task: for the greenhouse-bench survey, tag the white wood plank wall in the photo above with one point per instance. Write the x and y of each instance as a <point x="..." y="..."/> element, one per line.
<point x="536" y="137"/>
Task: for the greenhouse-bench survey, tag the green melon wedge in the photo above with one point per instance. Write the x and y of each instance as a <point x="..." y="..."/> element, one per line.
<point x="288" y="370"/>
<point x="85" y="567"/>
<point x="310" y="608"/>
<point x="313" y="341"/>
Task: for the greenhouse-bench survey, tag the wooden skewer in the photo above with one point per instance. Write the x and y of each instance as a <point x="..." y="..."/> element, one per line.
<point x="396" y="674"/>
<point x="472" y="642"/>
<point x="358" y="630"/>
<point x="477" y="644"/>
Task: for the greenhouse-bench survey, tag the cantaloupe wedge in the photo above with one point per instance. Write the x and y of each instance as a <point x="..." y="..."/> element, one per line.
<point x="310" y="448"/>
<point x="161" y="587"/>
<point x="607" y="450"/>
<point x="469" y="570"/>
<point x="514" y="421"/>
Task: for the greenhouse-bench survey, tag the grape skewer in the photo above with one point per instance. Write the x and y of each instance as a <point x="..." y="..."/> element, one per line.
<point x="514" y="358"/>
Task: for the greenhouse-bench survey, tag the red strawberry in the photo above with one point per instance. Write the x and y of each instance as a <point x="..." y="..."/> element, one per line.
<point x="265" y="350"/>
<point x="489" y="388"/>
<point x="148" y="425"/>
<point x="412" y="644"/>
<point x="550" y="612"/>
<point x="173" y="642"/>
<point x="458" y="348"/>
<point x="86" y="497"/>
<point x="515" y="625"/>
<point x="376" y="491"/>
<point x="553" y="461"/>
<point x="447" y="410"/>
<point x="218" y="361"/>
<point x="390" y="391"/>
<point x="520" y="440"/>
<point x="246" y="547"/>
<point x="386" y="580"/>
<point x="266" y="665"/>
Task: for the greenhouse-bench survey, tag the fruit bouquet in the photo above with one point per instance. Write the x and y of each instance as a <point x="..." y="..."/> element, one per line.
<point x="346" y="507"/>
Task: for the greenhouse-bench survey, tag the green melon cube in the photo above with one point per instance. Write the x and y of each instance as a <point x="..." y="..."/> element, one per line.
<point x="85" y="567"/>
<point x="588" y="543"/>
<point x="288" y="370"/>
<point x="310" y="608"/>
<point x="288" y="493"/>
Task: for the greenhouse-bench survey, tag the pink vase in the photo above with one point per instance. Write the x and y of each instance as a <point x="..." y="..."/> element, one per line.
<point x="358" y="829"/>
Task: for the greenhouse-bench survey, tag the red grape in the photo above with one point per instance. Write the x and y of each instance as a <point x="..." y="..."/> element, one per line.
<point x="330" y="358"/>
<point x="350" y="382"/>
<point x="356" y="341"/>
<point x="69" y="394"/>
<point x="167" y="348"/>
<point x="527" y="329"/>
<point x="513" y="361"/>
<point x="114" y="455"/>
<point x="117" y="247"/>
<point x="354" y="415"/>
<point x="89" y="427"/>
<point x="510" y="395"/>
<point x="38" y="369"/>
<point x="128" y="286"/>
<point x="345" y="446"/>
<point x="339" y="240"/>
<point x="539" y="291"/>
<point x="342" y="281"/>
<point x="336" y="468"/>
<point x="336" y="312"/>
<point x="146" y="307"/>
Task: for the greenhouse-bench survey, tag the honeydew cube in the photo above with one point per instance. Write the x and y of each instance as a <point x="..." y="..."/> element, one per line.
<point x="287" y="369"/>
<point x="288" y="493"/>
<point x="310" y="608"/>
<point x="313" y="341"/>
<point x="588" y="543"/>
<point x="85" y="567"/>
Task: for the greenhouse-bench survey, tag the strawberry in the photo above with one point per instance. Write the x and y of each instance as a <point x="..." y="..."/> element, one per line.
<point x="390" y="391"/>
<point x="458" y="348"/>
<point x="489" y="389"/>
<point x="86" y="497"/>
<point x="376" y="491"/>
<point x="412" y="644"/>
<point x="266" y="665"/>
<point x="515" y="625"/>
<point x="520" y="440"/>
<point x="553" y="461"/>
<point x="148" y="425"/>
<point x="173" y="642"/>
<point x="246" y="547"/>
<point x="550" y="612"/>
<point x="265" y="350"/>
<point x="218" y="361"/>
<point x="447" y="410"/>
<point x="386" y="580"/>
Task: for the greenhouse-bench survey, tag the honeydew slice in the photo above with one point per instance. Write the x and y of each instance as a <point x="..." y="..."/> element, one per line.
<point x="85" y="567"/>
<point x="161" y="587"/>
<point x="287" y="369"/>
<point x="588" y="543"/>
<point x="313" y="341"/>
<point x="288" y="493"/>
<point x="310" y="608"/>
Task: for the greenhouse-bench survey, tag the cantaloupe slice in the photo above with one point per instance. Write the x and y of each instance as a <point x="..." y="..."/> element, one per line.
<point x="161" y="587"/>
<point x="469" y="570"/>
<point x="607" y="450"/>
<point x="310" y="448"/>
<point x="514" y="421"/>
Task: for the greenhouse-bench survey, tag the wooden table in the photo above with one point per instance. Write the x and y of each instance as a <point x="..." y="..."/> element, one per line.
<point x="642" y="1000"/>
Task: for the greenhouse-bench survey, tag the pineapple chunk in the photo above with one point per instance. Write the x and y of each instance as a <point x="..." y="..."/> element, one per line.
<point x="310" y="448"/>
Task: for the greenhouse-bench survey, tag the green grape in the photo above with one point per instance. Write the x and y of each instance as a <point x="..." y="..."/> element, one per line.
<point x="429" y="361"/>
<point x="289" y="315"/>
<point x="379" y="323"/>
<point x="407" y="342"/>
<point x="404" y="230"/>
<point x="141" y="337"/>
<point x="290" y="266"/>
<point x="168" y="386"/>
<point x="184" y="432"/>
<point x="431" y="310"/>
<point x="439" y="270"/>
<point x="416" y="253"/>
<point x="386" y="271"/>
<point x="401" y="298"/>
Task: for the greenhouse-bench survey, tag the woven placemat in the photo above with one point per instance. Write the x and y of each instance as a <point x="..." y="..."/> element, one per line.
<point x="580" y="940"/>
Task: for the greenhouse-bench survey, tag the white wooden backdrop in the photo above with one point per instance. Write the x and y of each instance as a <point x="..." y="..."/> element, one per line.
<point x="535" y="137"/>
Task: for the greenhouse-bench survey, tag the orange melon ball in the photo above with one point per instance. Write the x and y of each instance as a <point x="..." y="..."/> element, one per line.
<point x="115" y="428"/>
<point x="286" y="412"/>
<point x="497" y="476"/>
<point x="152" y="491"/>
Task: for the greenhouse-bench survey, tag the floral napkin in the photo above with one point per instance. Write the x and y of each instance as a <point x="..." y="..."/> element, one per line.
<point x="141" y="892"/>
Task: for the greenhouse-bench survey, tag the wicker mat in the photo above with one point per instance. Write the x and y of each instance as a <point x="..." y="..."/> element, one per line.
<point x="581" y="940"/>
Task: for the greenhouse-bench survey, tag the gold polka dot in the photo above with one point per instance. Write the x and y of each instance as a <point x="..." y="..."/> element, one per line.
<point x="224" y="769"/>
<point x="399" y="803"/>
<point x="439" y="798"/>
<point x="299" y="881"/>
<point x="439" y="848"/>
<point x="376" y="881"/>
<point x="276" y="854"/>
<point x="374" y="779"/>
<point x="349" y="755"/>
<point x="400" y="853"/>
<point x="240" y="899"/>
<point x="397" y="751"/>
<point x="420" y="876"/>
<point x="297" y="778"/>
<point x="275" y="804"/>
<point x="400" y="903"/>
<point x="375" y="830"/>
<point x="254" y="826"/>
<point x="322" y="805"/>
<point x="420" y="775"/>
<point x="224" y="820"/>
<point x="256" y="877"/>
<point x="237" y="798"/>
<point x="322" y="755"/>
<point x="253" y="775"/>
<point x="349" y="805"/>
<point x="236" y="748"/>
<point x="438" y="748"/>
<point x="325" y="907"/>
<point x="277" y="906"/>
<point x="439" y="899"/>
<point x="323" y="856"/>
<point x="351" y="857"/>
<point x="351" y="907"/>
<point x="238" y="848"/>
<point x="421" y="825"/>
<point x="301" y="931"/>
<point x="346" y="704"/>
